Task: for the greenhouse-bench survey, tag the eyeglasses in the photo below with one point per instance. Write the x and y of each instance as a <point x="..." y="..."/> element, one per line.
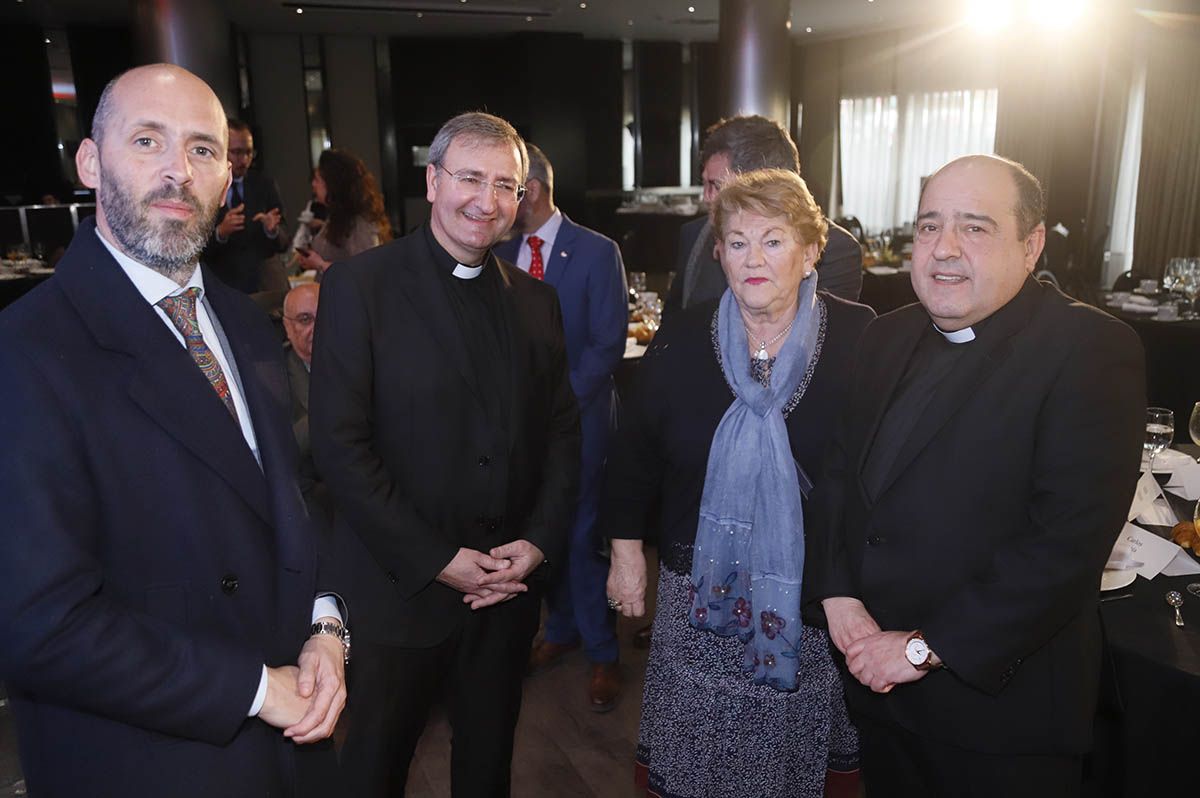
<point x="304" y="319"/>
<point x="473" y="184"/>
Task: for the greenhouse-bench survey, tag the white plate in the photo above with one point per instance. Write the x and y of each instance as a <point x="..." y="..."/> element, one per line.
<point x="1114" y="580"/>
<point x="1167" y="460"/>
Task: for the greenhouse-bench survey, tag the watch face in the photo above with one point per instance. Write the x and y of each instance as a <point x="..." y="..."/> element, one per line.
<point x="917" y="651"/>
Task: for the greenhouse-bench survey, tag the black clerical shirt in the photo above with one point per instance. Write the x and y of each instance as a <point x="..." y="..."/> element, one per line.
<point x="479" y="315"/>
<point x="932" y="360"/>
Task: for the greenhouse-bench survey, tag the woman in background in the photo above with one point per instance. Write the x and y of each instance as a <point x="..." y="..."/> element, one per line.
<point x="356" y="220"/>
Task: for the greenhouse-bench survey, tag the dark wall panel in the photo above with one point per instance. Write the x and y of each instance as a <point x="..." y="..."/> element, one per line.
<point x="660" y="97"/>
<point x="29" y="144"/>
<point x="98" y="54"/>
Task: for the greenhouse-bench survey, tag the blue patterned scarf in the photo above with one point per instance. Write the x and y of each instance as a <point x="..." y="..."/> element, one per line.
<point x="748" y="557"/>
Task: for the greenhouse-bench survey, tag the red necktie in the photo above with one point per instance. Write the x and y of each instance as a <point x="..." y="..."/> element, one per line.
<point x="181" y="309"/>
<point x="536" y="269"/>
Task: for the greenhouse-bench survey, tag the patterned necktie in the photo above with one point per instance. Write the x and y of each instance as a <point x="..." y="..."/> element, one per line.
<point x="536" y="269"/>
<point x="181" y="309"/>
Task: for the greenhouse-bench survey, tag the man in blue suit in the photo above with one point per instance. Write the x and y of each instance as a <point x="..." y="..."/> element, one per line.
<point x="586" y="270"/>
<point x="158" y="570"/>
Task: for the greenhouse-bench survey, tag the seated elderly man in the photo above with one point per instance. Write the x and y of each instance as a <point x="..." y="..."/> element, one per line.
<point x="299" y="317"/>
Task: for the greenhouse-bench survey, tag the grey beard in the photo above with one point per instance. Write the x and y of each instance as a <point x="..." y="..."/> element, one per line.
<point x="170" y="247"/>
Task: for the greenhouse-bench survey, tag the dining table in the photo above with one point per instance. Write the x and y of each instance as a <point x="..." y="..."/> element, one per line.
<point x="1172" y="362"/>
<point x="1147" y="730"/>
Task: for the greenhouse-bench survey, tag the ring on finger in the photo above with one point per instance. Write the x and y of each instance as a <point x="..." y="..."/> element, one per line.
<point x="613" y="604"/>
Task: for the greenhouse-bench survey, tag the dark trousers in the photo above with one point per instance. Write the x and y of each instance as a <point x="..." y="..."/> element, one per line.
<point x="898" y="764"/>
<point x="478" y="670"/>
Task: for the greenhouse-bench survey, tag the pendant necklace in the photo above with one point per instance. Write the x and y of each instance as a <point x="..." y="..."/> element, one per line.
<point x="761" y="354"/>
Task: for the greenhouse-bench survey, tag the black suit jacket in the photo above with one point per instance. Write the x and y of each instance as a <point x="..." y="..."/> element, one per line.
<point x="401" y="438"/>
<point x="150" y="567"/>
<point x="239" y="260"/>
<point x="992" y="528"/>
<point x="839" y="271"/>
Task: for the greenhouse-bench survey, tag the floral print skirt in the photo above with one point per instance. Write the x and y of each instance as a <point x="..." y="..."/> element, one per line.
<point x="707" y="731"/>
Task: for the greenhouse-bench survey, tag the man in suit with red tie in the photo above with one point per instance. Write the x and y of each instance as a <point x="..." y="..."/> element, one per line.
<point x="159" y="569"/>
<point x="585" y="269"/>
<point x="977" y="481"/>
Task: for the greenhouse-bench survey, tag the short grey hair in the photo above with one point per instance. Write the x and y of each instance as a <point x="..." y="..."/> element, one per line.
<point x="104" y="109"/>
<point x="540" y="168"/>
<point x="751" y="142"/>
<point x="1030" y="210"/>
<point x="478" y="126"/>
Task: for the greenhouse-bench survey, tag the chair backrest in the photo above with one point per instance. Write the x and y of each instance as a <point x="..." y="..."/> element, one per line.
<point x="852" y="226"/>
<point x="1125" y="282"/>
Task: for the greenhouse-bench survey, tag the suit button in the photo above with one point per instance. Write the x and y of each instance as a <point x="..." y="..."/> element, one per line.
<point x="876" y="540"/>
<point x="484" y="460"/>
<point x="391" y="577"/>
<point x="493" y="524"/>
<point x="229" y="584"/>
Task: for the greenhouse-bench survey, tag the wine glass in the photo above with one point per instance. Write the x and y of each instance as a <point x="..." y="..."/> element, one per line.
<point x="1189" y="284"/>
<point x="1160" y="430"/>
<point x="1172" y="274"/>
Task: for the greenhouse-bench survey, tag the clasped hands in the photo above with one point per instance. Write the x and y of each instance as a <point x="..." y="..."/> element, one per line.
<point x="306" y="701"/>
<point x="874" y="657"/>
<point x="499" y="575"/>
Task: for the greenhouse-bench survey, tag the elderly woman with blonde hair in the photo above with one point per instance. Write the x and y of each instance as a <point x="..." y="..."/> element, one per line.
<point x="720" y="437"/>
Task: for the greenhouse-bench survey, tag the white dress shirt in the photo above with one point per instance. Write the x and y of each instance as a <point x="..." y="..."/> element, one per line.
<point x="547" y="232"/>
<point x="154" y="286"/>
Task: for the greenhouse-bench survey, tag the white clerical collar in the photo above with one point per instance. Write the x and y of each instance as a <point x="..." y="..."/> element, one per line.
<point x="957" y="336"/>
<point x="467" y="272"/>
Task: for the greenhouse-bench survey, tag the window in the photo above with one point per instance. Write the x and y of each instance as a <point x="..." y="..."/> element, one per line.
<point x="888" y="144"/>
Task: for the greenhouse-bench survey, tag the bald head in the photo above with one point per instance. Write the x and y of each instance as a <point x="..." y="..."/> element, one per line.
<point x="299" y="316"/>
<point x="1029" y="205"/>
<point x="158" y="161"/>
<point x="155" y="78"/>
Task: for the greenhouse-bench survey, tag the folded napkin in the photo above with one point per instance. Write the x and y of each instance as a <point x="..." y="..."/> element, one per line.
<point x="1140" y="300"/>
<point x="1137" y="307"/>
<point x="1121" y="558"/>
<point x="1156" y="555"/>
<point x="1148" y="506"/>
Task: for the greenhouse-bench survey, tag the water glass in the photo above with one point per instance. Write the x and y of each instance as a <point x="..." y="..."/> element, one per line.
<point x="1160" y="430"/>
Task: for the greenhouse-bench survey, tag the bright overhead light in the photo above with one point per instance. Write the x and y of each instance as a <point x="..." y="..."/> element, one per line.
<point x="529" y="19"/>
<point x="583" y="5"/>
<point x="629" y="22"/>
<point x="808" y="30"/>
<point x="989" y="16"/>
<point x="299" y="10"/>
<point x="691" y="9"/>
<point x="47" y="41"/>
<point x="1056" y="13"/>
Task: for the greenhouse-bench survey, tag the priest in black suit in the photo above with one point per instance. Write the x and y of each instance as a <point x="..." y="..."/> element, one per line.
<point x="250" y="233"/>
<point x="975" y="487"/>
<point x="732" y="146"/>
<point x="444" y="425"/>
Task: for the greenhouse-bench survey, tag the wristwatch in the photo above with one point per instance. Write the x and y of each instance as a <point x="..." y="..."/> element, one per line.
<point x="337" y="630"/>
<point x="917" y="652"/>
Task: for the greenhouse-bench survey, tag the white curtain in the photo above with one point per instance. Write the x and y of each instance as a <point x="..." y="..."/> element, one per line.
<point x="883" y="160"/>
<point x="1125" y="201"/>
<point x="867" y="136"/>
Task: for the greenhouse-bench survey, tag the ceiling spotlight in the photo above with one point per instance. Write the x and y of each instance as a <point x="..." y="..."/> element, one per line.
<point x="47" y="41"/>
<point x="808" y="30"/>
<point x="299" y="10"/>
<point x="583" y="5"/>
<point x="420" y="14"/>
<point x="691" y="9"/>
<point x="529" y="19"/>
<point x="788" y="24"/>
<point x="629" y="22"/>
